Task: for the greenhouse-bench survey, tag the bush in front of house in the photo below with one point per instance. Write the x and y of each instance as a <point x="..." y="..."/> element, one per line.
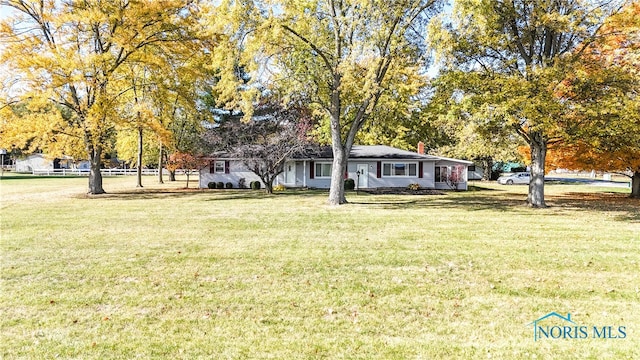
<point x="211" y="185"/>
<point x="413" y="186"/>
<point x="255" y="185"/>
<point x="219" y="185"/>
<point x="228" y="185"/>
<point x="279" y="187"/>
<point x="242" y="183"/>
<point x="349" y="184"/>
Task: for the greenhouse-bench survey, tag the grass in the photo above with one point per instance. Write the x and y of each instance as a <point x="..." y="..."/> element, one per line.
<point x="161" y="272"/>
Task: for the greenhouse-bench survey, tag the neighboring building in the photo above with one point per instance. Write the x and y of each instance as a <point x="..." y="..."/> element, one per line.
<point x="374" y="166"/>
<point x="475" y="172"/>
<point x="33" y="162"/>
<point x="42" y="162"/>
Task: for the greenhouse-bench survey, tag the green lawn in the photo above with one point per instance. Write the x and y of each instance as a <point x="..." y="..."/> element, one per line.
<point x="161" y="272"/>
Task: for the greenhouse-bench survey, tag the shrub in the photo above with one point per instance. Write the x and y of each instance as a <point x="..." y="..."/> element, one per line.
<point x="255" y="185"/>
<point x="242" y="183"/>
<point x="219" y="185"/>
<point x="279" y="187"/>
<point x="228" y="185"/>
<point x="349" y="184"/>
<point x="413" y="187"/>
<point x="211" y="185"/>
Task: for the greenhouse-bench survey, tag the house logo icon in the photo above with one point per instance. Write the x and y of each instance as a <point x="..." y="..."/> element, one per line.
<point x="539" y="330"/>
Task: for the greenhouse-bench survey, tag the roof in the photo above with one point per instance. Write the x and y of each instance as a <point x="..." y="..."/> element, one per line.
<point x="386" y="152"/>
<point x="372" y="152"/>
<point x="553" y="313"/>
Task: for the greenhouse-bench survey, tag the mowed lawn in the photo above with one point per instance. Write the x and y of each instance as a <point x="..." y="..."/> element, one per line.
<point x="161" y="272"/>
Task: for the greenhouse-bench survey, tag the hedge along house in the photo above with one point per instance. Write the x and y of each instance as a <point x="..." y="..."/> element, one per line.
<point x="375" y="166"/>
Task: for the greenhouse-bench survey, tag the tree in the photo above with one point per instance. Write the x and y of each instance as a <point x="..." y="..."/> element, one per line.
<point x="35" y="126"/>
<point x="189" y="163"/>
<point x="268" y="141"/>
<point x="77" y="50"/>
<point x="581" y="155"/>
<point x="474" y="130"/>
<point x="518" y="53"/>
<point x="341" y="55"/>
<point x="604" y="94"/>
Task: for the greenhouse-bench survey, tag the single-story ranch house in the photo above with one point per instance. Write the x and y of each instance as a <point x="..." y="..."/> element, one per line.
<point x="374" y="166"/>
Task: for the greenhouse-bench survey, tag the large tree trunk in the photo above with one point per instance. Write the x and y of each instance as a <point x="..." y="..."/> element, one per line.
<point x="95" y="176"/>
<point x="336" y="192"/>
<point x="487" y="166"/>
<point x="139" y="171"/>
<point x="635" y="184"/>
<point x="340" y="154"/>
<point x="538" y="147"/>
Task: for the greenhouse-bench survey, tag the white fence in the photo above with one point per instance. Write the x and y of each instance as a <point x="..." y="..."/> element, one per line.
<point x="105" y="172"/>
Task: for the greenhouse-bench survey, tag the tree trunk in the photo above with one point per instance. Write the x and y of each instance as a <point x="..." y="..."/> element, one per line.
<point x="95" y="176"/>
<point x="172" y="175"/>
<point x="538" y="147"/>
<point x="635" y="185"/>
<point x="139" y="171"/>
<point x="336" y="192"/>
<point x="487" y="166"/>
<point x="160" y="165"/>
<point x="187" y="173"/>
<point x="268" y="184"/>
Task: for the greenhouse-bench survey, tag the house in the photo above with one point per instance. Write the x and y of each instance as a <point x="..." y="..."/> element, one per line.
<point x="376" y="166"/>
<point x="475" y="172"/>
<point x="43" y="162"/>
<point x="33" y="162"/>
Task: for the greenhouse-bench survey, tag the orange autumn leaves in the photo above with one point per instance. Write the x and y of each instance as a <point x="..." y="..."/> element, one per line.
<point x="604" y="90"/>
<point x="581" y="156"/>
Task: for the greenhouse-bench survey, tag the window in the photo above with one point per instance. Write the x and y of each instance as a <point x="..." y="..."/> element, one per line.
<point x="450" y="174"/>
<point x="323" y="170"/>
<point x="441" y="173"/>
<point x="219" y="167"/>
<point x="399" y="169"/>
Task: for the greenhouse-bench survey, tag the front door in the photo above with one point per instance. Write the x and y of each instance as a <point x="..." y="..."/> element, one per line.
<point x="363" y="178"/>
<point x="290" y="173"/>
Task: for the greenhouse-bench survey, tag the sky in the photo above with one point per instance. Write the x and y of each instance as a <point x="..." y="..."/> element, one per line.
<point x="4" y="11"/>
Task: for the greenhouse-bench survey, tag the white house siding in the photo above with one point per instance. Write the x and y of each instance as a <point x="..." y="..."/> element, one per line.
<point x="303" y="170"/>
<point x="303" y="174"/>
<point x="426" y="181"/>
<point x="33" y="162"/>
<point x="476" y="174"/>
<point x="237" y="170"/>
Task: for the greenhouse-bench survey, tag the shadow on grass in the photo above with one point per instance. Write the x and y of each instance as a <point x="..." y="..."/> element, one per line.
<point x="142" y="194"/>
<point x="628" y="209"/>
<point x="202" y="194"/>
<point x="473" y="202"/>
<point x="479" y="199"/>
<point x="38" y="177"/>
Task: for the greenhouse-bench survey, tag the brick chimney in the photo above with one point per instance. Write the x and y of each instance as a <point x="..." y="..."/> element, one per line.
<point x="421" y="148"/>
